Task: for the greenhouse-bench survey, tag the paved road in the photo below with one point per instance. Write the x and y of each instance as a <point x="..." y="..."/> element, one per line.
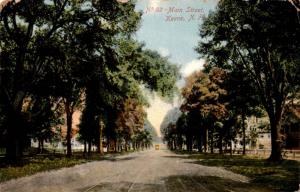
<point x="147" y="171"/>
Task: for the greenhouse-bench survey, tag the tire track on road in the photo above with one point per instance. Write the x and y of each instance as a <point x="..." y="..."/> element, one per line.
<point x="140" y="173"/>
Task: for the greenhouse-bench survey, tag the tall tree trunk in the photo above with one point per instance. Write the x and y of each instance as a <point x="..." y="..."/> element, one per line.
<point x="189" y="142"/>
<point x="175" y="143"/>
<point x="230" y="147"/>
<point x="84" y="149"/>
<point x="14" y="138"/>
<point x="116" y="145"/>
<point x="101" y="136"/>
<point x="13" y="148"/>
<point x="15" y="134"/>
<point x="205" y="139"/>
<point x="41" y="145"/>
<point x="212" y="141"/>
<point x="276" y="136"/>
<point x="200" y="143"/>
<point x="126" y="144"/>
<point x="98" y="137"/>
<point x="69" y="114"/>
<point x="180" y="141"/>
<point x="108" y="144"/>
<point x="244" y="131"/>
<point x="97" y="142"/>
<point x="15" y="127"/>
<point x="89" y="147"/>
<point x="221" y="142"/>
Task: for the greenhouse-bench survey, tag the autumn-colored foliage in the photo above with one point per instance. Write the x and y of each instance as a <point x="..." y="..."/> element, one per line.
<point x="131" y="118"/>
<point x="204" y="93"/>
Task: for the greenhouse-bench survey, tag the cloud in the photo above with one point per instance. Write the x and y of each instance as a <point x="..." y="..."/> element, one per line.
<point x="164" y="52"/>
<point x="153" y="3"/>
<point x="192" y="66"/>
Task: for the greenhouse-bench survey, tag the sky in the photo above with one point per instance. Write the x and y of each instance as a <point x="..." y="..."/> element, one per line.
<point x="174" y="38"/>
<point x="172" y="28"/>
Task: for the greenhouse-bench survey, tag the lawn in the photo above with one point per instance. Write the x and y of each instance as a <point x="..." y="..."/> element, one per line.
<point x="282" y="176"/>
<point x="46" y="162"/>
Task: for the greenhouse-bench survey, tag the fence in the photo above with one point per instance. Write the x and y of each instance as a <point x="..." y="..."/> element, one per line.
<point x="287" y="154"/>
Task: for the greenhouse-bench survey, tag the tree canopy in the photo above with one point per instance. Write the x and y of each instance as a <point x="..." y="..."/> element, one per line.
<point x="80" y="53"/>
<point x="260" y="39"/>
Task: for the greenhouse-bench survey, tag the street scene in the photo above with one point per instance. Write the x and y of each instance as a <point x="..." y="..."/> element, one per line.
<point x="149" y="95"/>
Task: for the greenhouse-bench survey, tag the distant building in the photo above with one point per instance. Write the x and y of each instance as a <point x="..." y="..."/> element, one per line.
<point x="257" y="132"/>
<point x="259" y="135"/>
<point x="291" y="125"/>
<point x="263" y="140"/>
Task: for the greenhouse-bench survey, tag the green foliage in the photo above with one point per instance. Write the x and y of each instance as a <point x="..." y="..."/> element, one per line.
<point x="265" y="54"/>
<point x="43" y="120"/>
<point x="158" y="74"/>
<point x="147" y="67"/>
<point x="171" y="117"/>
<point x="63" y="49"/>
<point x="143" y="138"/>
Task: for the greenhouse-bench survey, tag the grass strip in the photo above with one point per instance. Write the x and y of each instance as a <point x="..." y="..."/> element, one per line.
<point x="281" y="176"/>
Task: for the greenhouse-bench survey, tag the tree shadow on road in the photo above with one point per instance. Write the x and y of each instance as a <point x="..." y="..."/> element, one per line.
<point x="176" y="156"/>
<point x="122" y="187"/>
<point x="119" y="159"/>
<point x="209" y="183"/>
<point x="178" y="183"/>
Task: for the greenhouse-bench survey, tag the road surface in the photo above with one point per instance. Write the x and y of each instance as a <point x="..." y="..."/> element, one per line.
<point x="148" y="171"/>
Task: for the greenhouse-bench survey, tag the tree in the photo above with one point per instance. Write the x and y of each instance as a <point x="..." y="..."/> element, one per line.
<point x="130" y="120"/>
<point x="204" y="97"/>
<point x="171" y="117"/>
<point x="35" y="34"/>
<point x="234" y="37"/>
<point x="181" y="126"/>
<point x="123" y="66"/>
<point x="142" y="139"/>
<point x="102" y="77"/>
<point x="197" y="79"/>
<point x="296" y="4"/>
<point x="15" y="49"/>
<point x="69" y="47"/>
<point x="241" y="97"/>
<point x="170" y="136"/>
<point x="44" y="119"/>
<point x="231" y="129"/>
<point x="27" y="28"/>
